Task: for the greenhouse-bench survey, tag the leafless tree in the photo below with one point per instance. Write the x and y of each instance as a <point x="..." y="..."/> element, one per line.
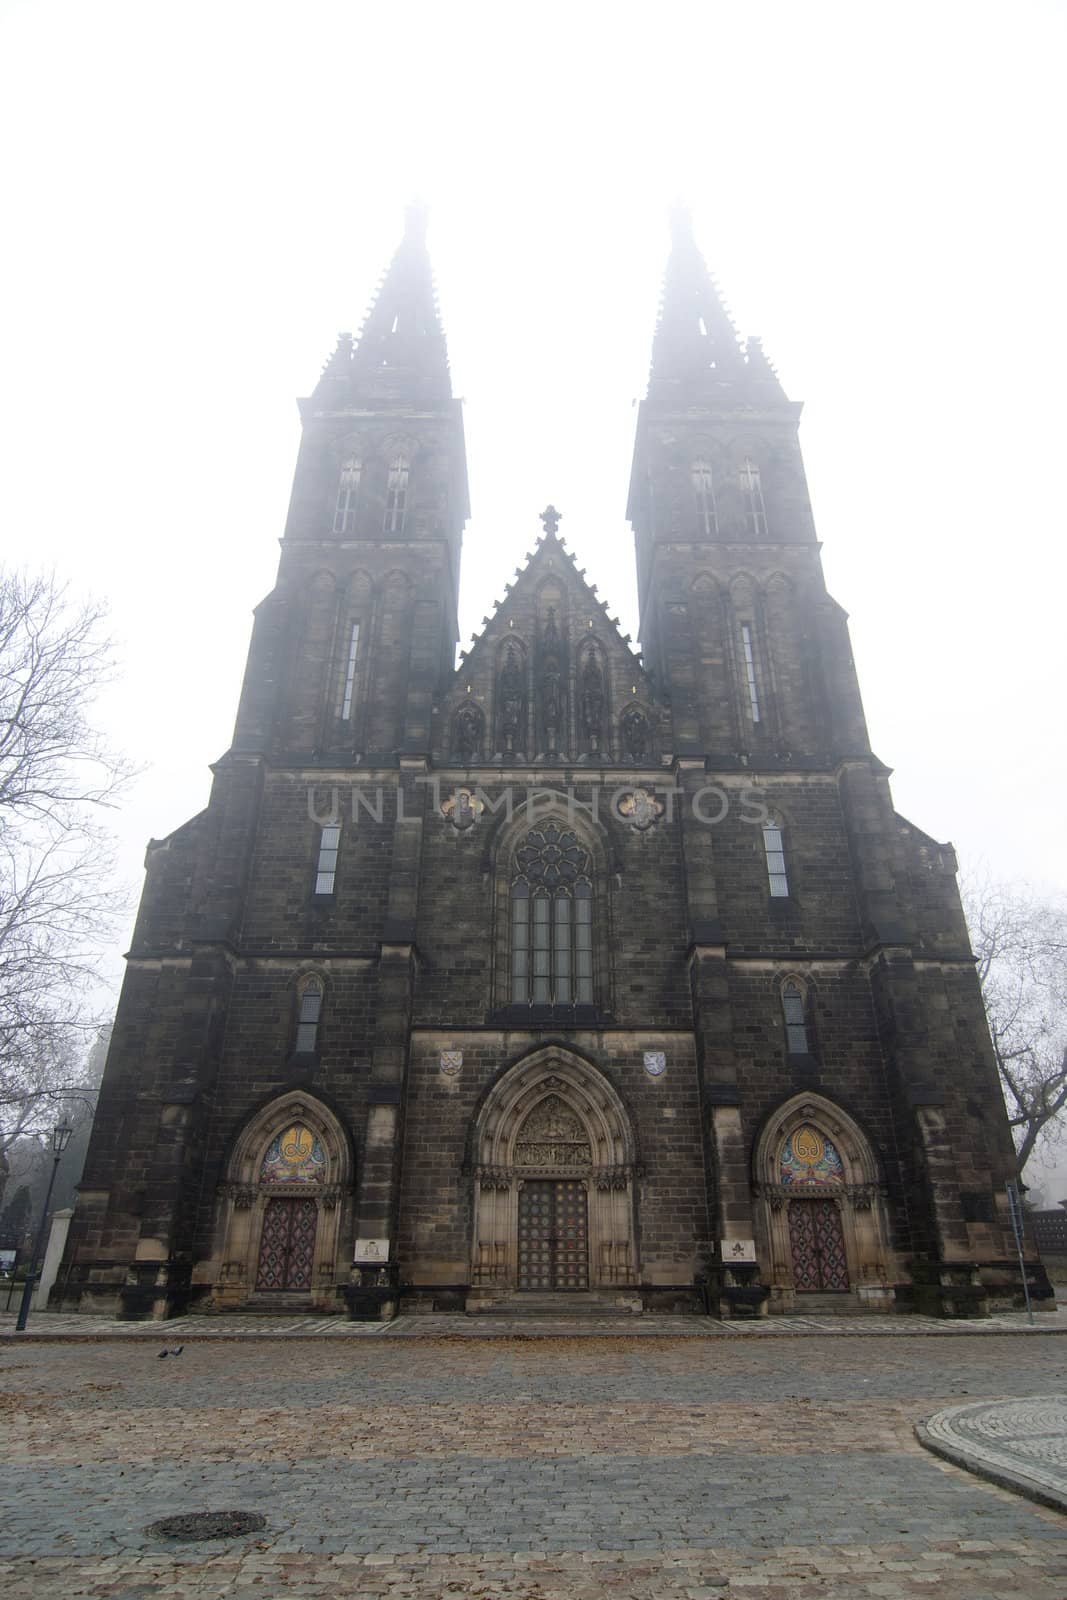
<point x="58" y="899"/>
<point x="1020" y="939"/>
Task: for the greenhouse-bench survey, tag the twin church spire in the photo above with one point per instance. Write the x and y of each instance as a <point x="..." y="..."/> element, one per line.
<point x="697" y="356"/>
<point x="400" y="354"/>
<point x="726" y="554"/>
<point x="717" y="486"/>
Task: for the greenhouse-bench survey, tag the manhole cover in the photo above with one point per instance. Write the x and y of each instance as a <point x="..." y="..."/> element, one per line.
<point x="207" y="1525"/>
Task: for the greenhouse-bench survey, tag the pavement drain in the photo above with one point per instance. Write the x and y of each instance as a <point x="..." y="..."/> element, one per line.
<point x="207" y="1525"/>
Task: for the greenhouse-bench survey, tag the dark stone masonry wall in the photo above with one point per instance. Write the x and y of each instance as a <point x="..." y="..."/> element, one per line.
<point x="665" y="1110"/>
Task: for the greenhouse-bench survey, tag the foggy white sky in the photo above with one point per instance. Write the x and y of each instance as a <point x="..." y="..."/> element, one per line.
<point x="197" y="197"/>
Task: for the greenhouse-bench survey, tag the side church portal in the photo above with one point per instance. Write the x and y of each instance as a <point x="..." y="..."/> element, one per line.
<point x="567" y="975"/>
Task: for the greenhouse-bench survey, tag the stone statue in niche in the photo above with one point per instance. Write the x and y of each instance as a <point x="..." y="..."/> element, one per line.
<point x="512" y="700"/>
<point x="551" y="684"/>
<point x="635" y="737"/>
<point x="592" y="701"/>
<point x="468" y="733"/>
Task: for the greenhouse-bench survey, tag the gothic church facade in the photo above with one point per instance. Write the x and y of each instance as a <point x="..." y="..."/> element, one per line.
<point x="566" y="976"/>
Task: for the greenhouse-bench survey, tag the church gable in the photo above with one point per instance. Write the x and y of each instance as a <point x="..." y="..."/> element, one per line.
<point x="551" y="677"/>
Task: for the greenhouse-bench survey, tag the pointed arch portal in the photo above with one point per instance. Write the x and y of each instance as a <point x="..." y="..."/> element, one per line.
<point x="553" y="1182"/>
<point x="821" y="1206"/>
<point x="282" y="1205"/>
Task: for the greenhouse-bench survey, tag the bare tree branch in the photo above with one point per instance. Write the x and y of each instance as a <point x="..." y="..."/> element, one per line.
<point x="1020" y="941"/>
<point x="58" y="902"/>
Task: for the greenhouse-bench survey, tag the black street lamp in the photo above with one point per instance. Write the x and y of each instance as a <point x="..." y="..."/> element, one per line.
<point x="60" y="1139"/>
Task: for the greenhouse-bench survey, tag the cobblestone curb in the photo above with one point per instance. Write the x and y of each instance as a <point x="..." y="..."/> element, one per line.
<point x="1019" y="1444"/>
<point x="51" y="1327"/>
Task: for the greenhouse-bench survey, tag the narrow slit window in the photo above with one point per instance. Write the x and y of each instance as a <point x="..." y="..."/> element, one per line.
<point x="520" y="944"/>
<point x="308" y="1017"/>
<point x="750" y="670"/>
<point x="583" y="944"/>
<point x="542" y="950"/>
<point x="326" y="870"/>
<point x="796" y="1021"/>
<point x="752" y="496"/>
<point x="396" y="496"/>
<point x="776" y="873"/>
<point x="704" y="488"/>
<point x="344" y="512"/>
<point x="348" y="688"/>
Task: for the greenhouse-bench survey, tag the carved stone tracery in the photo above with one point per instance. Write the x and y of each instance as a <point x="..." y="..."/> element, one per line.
<point x="553" y="1117"/>
<point x="860" y="1196"/>
<point x="493" y="1178"/>
<point x="612" y="1177"/>
<point x="592" y="700"/>
<point x="242" y="1194"/>
<point x="553" y="1136"/>
<point x="511" y="691"/>
<point x="810" y="1153"/>
<point x="550" y="681"/>
<point x="292" y="1150"/>
<point x="469" y="732"/>
<point x="636" y="737"/>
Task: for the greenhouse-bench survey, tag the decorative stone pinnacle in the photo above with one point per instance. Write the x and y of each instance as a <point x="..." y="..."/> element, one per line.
<point x="550" y="517"/>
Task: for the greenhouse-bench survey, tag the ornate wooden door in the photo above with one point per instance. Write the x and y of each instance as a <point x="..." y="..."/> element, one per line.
<point x="553" y="1235"/>
<point x="817" y="1242"/>
<point x="287" y="1249"/>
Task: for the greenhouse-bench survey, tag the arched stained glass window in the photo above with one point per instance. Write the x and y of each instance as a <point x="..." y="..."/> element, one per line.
<point x="295" y="1156"/>
<point x="551" y="920"/>
<point x="808" y="1156"/>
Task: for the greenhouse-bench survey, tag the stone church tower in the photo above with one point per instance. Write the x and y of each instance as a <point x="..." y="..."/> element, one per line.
<point x="567" y="976"/>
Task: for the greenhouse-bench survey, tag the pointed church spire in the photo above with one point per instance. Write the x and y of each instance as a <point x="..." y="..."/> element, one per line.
<point x="399" y="358"/>
<point x="696" y="354"/>
<point x="695" y="349"/>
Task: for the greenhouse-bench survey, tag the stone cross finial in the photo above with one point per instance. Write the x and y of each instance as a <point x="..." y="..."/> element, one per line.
<point x="550" y="517"/>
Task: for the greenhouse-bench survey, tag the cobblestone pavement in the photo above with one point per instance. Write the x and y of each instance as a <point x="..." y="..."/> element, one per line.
<point x="1020" y="1442"/>
<point x="54" y="1325"/>
<point x="479" y="1469"/>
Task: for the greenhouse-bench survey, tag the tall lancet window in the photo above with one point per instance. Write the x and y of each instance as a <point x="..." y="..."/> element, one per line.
<point x="704" y="488"/>
<point x="749" y="657"/>
<point x="774" y="850"/>
<point x="795" y="1016"/>
<point x="752" y="499"/>
<point x="348" y="682"/>
<point x="396" y="495"/>
<point x="326" y="867"/>
<point x="308" y="1017"/>
<point x="551" y="920"/>
<point x="344" y="512"/>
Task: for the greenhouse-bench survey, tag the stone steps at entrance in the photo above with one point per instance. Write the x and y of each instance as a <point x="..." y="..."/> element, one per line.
<point x="828" y="1305"/>
<point x="564" y="1304"/>
<point x="272" y="1305"/>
